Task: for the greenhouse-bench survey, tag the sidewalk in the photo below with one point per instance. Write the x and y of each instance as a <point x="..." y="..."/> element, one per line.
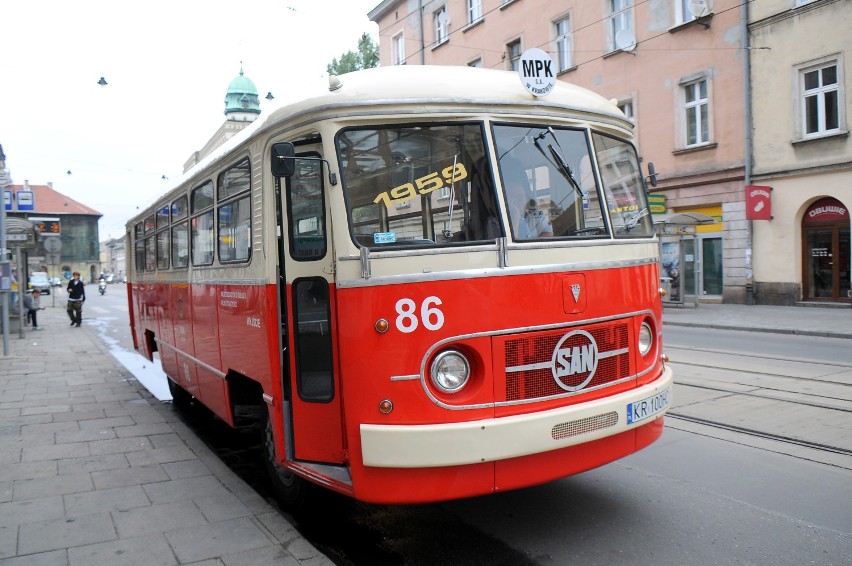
<point x="94" y="470"/>
<point x="832" y="322"/>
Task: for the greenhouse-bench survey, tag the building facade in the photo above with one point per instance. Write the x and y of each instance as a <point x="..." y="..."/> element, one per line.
<point x="113" y="258"/>
<point x="75" y="248"/>
<point x="800" y="67"/>
<point x="676" y="68"/>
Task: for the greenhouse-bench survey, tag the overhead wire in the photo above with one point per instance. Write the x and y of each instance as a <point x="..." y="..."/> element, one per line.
<point x="385" y="32"/>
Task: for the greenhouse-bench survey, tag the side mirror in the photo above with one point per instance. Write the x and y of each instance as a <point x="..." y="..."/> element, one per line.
<point x="652" y="175"/>
<point x="283" y="159"/>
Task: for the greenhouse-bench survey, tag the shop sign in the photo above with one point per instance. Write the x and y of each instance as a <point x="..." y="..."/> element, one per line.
<point x="657" y="204"/>
<point x="826" y="210"/>
<point x="758" y="202"/>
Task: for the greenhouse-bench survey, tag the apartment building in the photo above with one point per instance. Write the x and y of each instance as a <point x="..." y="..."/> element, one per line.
<point x="675" y="67"/>
<point x="800" y="65"/>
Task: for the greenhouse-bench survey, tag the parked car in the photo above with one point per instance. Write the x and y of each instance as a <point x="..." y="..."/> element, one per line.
<point x="40" y="280"/>
<point x="56" y="282"/>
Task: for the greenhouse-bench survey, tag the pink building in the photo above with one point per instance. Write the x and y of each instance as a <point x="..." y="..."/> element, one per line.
<point x="675" y="67"/>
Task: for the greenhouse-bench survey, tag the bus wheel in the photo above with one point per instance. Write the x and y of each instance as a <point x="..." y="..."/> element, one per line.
<point x="180" y="396"/>
<point x="290" y="489"/>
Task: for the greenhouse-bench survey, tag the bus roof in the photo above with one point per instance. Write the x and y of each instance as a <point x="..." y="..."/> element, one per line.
<point x="415" y="86"/>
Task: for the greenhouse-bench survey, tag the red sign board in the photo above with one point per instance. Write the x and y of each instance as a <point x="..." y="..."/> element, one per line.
<point x="758" y="202"/>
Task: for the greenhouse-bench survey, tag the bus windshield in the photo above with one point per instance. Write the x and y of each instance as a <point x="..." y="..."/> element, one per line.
<point x="550" y="185"/>
<point x="417" y="185"/>
<point x="429" y="185"/>
<point x="548" y="181"/>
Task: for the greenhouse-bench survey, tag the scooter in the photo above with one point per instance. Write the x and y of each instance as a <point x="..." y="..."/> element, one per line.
<point x="102" y="286"/>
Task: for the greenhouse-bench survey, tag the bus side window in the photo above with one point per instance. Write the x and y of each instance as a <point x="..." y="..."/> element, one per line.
<point x="315" y="378"/>
<point x="306" y="211"/>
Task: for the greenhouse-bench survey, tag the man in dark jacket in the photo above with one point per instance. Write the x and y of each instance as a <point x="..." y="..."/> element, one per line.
<point x="76" y="297"/>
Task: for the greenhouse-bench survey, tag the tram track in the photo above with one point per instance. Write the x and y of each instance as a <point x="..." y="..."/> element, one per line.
<point x="761" y="434"/>
<point x="821" y="386"/>
<point x="758" y="433"/>
<point x="774" y="397"/>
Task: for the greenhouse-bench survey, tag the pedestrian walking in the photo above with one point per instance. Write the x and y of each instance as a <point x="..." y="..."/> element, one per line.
<point x="32" y="306"/>
<point x="76" y="298"/>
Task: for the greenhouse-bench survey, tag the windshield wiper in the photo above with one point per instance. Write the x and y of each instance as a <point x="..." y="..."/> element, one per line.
<point x="558" y="158"/>
<point x="631" y="222"/>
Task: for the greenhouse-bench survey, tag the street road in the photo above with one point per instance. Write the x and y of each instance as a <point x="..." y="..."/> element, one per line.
<point x="754" y="467"/>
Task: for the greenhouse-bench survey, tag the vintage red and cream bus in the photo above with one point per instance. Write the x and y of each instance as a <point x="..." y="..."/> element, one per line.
<point x="428" y="283"/>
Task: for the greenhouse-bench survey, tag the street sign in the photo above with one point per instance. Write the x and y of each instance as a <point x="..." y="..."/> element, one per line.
<point x="52" y="245"/>
<point x="26" y="200"/>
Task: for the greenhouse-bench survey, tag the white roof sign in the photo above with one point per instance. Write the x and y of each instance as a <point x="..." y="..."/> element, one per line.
<point x="536" y="72"/>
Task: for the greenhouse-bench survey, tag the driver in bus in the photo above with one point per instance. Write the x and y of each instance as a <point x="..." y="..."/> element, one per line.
<point x="528" y="221"/>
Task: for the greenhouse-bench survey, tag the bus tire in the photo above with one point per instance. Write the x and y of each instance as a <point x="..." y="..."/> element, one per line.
<point x="180" y="396"/>
<point x="290" y="489"/>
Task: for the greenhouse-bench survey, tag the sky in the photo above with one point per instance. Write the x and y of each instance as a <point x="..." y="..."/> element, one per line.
<point x="168" y="65"/>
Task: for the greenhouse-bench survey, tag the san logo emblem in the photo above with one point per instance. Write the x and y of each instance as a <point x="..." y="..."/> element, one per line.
<point x="575" y="360"/>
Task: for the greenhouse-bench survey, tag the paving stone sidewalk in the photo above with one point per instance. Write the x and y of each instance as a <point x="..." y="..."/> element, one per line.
<point x="94" y="470"/>
<point x="830" y="321"/>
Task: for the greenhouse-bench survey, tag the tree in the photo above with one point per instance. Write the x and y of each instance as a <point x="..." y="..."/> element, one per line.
<point x="366" y="57"/>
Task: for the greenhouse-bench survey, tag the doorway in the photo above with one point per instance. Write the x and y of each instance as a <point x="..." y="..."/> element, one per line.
<point x="826" y="252"/>
<point x="703" y="253"/>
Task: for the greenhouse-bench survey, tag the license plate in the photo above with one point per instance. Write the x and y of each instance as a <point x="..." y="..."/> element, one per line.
<point x="648" y="407"/>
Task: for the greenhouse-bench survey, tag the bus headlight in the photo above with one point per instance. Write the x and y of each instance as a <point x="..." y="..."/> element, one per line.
<point x="646" y="339"/>
<point x="450" y="371"/>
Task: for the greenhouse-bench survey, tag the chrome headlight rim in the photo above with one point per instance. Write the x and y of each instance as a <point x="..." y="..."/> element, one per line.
<point x="440" y="370"/>
<point x="645" y="339"/>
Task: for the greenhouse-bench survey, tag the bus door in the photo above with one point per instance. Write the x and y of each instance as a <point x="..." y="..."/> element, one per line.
<point x="316" y="430"/>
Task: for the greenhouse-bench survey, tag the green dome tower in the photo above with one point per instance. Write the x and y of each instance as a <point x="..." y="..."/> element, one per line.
<point x="242" y="103"/>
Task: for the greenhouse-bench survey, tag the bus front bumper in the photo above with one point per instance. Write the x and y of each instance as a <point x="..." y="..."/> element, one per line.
<point x="489" y="440"/>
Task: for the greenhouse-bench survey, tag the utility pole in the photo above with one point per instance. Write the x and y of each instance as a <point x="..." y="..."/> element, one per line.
<point x="5" y="266"/>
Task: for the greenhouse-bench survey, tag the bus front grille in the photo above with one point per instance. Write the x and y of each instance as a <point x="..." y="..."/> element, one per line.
<point x="551" y="363"/>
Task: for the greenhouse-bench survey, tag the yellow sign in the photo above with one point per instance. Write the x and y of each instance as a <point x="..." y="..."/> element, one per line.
<point x="657" y="204"/>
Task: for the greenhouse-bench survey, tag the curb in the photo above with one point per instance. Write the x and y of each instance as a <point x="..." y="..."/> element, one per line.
<point x="798" y="332"/>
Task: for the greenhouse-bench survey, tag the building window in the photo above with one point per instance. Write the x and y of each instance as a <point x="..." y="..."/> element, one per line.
<point x="513" y="53"/>
<point x="820" y="100"/>
<point x="475" y="63"/>
<point x="398" y="54"/>
<point x="697" y="112"/>
<point x="688" y="10"/>
<point x="621" y="24"/>
<point x="474" y="11"/>
<point x="442" y="25"/>
<point x="563" y="44"/>
<point x="626" y="106"/>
